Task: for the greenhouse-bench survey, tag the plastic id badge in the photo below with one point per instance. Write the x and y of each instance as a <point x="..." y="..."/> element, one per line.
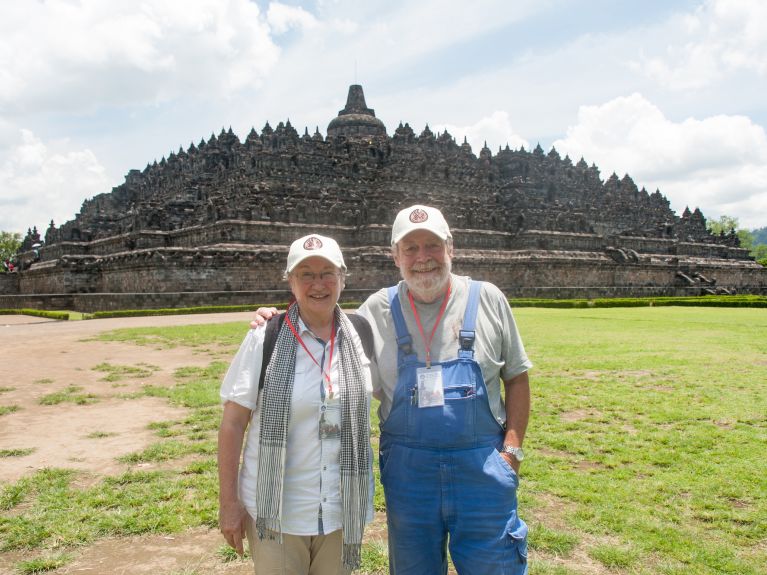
<point x="330" y="420"/>
<point x="430" y="392"/>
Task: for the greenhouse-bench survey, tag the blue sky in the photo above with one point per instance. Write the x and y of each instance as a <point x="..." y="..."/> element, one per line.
<point x="671" y="93"/>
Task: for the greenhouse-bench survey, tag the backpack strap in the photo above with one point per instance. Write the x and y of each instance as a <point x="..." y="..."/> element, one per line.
<point x="363" y="329"/>
<point x="273" y="327"/>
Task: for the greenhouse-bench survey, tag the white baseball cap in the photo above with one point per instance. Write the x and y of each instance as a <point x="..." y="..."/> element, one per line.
<point x="419" y="218"/>
<point x="315" y="245"/>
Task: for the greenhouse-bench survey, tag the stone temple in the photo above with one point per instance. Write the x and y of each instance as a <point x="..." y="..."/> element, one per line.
<point x="210" y="225"/>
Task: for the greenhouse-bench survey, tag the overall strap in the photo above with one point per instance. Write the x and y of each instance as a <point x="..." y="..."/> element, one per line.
<point x="467" y="333"/>
<point x="404" y="339"/>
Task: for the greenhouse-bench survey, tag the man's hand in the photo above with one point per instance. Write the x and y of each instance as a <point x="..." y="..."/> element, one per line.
<point x="231" y="519"/>
<point x="263" y="314"/>
<point x="512" y="461"/>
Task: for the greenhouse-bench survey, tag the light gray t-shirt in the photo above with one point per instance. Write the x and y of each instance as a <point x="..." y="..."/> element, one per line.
<point x="498" y="345"/>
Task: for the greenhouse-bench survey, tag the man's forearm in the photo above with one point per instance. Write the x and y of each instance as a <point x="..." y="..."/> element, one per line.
<point x="517" y="405"/>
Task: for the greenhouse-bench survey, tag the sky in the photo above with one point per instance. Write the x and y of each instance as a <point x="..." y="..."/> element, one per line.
<point x="671" y="92"/>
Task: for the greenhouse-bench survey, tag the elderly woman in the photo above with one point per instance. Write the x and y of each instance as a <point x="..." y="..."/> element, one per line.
<point x="304" y="491"/>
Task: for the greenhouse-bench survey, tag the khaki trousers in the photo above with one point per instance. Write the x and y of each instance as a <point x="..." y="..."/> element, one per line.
<point x="296" y="555"/>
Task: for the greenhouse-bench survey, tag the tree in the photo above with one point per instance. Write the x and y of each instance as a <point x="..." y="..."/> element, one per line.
<point x="728" y="224"/>
<point x="10" y="242"/>
<point x="760" y="253"/>
<point x="759" y="249"/>
<point x="746" y="239"/>
<point x="755" y="240"/>
<point x="724" y="224"/>
<point x="760" y="235"/>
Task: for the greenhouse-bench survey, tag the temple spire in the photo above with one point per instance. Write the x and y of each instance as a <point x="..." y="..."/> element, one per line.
<point x="356" y="120"/>
<point x="355" y="102"/>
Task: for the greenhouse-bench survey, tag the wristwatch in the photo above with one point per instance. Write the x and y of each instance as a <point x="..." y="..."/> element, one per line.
<point x="515" y="452"/>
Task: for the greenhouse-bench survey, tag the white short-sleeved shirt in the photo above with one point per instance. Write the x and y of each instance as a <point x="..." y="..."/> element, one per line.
<point x="498" y="345"/>
<point x="312" y="471"/>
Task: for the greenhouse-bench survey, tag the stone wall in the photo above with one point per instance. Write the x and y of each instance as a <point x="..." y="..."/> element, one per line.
<point x="9" y="283"/>
<point x="141" y="278"/>
<point x="172" y="300"/>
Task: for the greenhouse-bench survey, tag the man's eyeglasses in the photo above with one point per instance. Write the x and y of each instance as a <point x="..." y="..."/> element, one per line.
<point x="325" y="277"/>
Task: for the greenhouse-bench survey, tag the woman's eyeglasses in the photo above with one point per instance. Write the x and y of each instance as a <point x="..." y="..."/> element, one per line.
<point x="324" y="277"/>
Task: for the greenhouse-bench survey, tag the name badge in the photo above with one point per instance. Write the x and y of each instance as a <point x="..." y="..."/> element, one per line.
<point x="430" y="391"/>
<point x="330" y="419"/>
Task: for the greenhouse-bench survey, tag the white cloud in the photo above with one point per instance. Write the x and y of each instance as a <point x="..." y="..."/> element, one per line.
<point x="58" y="54"/>
<point x="43" y="181"/>
<point x="388" y="39"/>
<point x="8" y="135"/>
<point x="490" y="129"/>
<point x="719" y="37"/>
<point x="282" y="18"/>
<point x="739" y="191"/>
<point x="718" y="164"/>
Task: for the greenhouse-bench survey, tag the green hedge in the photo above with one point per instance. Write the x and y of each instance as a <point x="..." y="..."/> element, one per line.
<point x="708" y="300"/>
<point x="201" y="309"/>
<point x="182" y="310"/>
<point x="36" y="312"/>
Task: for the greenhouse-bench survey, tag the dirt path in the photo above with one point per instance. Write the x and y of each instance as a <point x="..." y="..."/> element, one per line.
<point x="41" y="357"/>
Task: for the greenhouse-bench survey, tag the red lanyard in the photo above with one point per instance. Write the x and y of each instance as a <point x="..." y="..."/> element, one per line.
<point x="326" y="374"/>
<point x="427" y="343"/>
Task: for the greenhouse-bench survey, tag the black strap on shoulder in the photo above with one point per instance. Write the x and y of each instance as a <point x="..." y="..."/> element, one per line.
<point x="270" y="338"/>
<point x="365" y="332"/>
<point x="273" y="326"/>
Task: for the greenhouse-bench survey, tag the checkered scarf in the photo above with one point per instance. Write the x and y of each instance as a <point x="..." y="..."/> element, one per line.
<point x="355" y="435"/>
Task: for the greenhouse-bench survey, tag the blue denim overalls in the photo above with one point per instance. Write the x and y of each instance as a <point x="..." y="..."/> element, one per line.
<point x="441" y="470"/>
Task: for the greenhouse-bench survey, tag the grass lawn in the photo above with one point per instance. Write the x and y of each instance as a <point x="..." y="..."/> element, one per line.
<point x="648" y="439"/>
<point x="647" y="448"/>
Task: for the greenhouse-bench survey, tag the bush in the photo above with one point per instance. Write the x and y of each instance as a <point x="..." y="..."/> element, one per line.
<point x="555" y="303"/>
<point x="36" y="312"/>
<point x="708" y="300"/>
<point x="183" y="310"/>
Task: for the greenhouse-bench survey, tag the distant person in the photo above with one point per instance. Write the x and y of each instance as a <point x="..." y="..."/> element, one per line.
<point x="451" y="444"/>
<point x="304" y="492"/>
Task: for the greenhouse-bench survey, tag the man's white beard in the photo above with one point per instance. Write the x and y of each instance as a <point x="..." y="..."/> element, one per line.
<point x="428" y="289"/>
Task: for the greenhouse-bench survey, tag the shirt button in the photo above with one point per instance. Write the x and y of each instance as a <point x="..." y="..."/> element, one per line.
<point x="324" y="499"/>
<point x="322" y="408"/>
<point x="324" y="468"/>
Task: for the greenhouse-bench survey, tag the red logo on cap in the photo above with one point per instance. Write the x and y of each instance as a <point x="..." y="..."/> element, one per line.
<point x="312" y="243"/>
<point x="418" y="216"/>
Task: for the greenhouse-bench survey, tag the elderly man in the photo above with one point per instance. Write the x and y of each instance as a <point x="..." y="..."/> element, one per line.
<point x="451" y="446"/>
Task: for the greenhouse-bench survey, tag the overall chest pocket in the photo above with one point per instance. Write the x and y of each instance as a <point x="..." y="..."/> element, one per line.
<point x="451" y="425"/>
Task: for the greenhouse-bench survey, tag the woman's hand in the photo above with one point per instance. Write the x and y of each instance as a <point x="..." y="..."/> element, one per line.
<point x="231" y="520"/>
